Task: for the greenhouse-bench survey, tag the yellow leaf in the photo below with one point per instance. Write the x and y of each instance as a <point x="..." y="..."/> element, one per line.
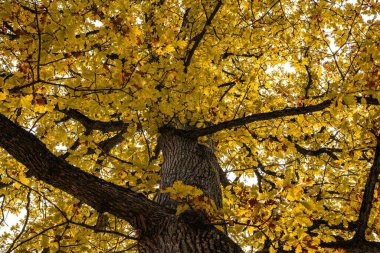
<point x="320" y="70"/>
<point x="181" y="208"/>
<point x="136" y="31"/>
<point x="3" y="95"/>
<point x="181" y="44"/>
<point x="185" y="190"/>
<point x="45" y="241"/>
<point x="294" y="193"/>
<point x="328" y="238"/>
<point x="307" y="205"/>
<point x="220" y="228"/>
<point x="23" y="179"/>
<point x="26" y="101"/>
<point x="17" y="185"/>
<point x="169" y="48"/>
<point x="43" y="108"/>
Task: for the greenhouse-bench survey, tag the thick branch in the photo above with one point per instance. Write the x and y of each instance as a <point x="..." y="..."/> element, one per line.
<point x="91" y="124"/>
<point x="318" y="223"/>
<point x="370" y="100"/>
<point x="369" y="190"/>
<point x="327" y="151"/>
<point x="99" y="194"/>
<point x="310" y="152"/>
<point x="259" y="117"/>
<point x="273" y="115"/>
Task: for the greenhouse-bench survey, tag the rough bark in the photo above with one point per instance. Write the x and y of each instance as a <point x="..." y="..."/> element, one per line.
<point x="187" y="161"/>
<point x="183" y="235"/>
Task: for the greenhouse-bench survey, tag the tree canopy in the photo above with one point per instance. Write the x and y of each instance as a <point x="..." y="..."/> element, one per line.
<point x="284" y="92"/>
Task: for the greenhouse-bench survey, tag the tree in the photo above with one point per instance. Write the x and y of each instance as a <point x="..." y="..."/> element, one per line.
<point x="190" y="126"/>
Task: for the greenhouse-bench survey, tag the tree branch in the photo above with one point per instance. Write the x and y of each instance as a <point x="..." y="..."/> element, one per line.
<point x="91" y="124"/>
<point x="327" y="151"/>
<point x="320" y="222"/>
<point x="370" y="100"/>
<point x="199" y="37"/>
<point x="273" y="115"/>
<point x="103" y="196"/>
<point x="368" y="195"/>
<point x="259" y="117"/>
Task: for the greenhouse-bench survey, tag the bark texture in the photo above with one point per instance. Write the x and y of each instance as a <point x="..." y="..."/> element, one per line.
<point x="186" y="235"/>
<point x="192" y="163"/>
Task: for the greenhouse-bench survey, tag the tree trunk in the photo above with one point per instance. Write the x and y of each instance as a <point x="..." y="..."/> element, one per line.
<point x="193" y="164"/>
<point x="187" y="161"/>
<point x="184" y="235"/>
